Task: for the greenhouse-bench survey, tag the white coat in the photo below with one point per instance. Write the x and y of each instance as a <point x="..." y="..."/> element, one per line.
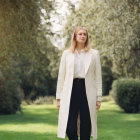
<point x="93" y="83"/>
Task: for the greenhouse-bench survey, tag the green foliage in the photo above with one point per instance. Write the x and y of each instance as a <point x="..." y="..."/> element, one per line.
<point x="25" y="47"/>
<point x="107" y="75"/>
<point x="107" y="79"/>
<point x="126" y="93"/>
<point x="35" y="77"/>
<point x="44" y="100"/>
<point x="114" y="29"/>
<point x="10" y="98"/>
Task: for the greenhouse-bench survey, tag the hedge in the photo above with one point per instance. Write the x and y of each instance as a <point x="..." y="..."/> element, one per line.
<point x="126" y="93"/>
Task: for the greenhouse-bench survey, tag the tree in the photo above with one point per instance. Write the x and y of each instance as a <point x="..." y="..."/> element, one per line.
<point x="24" y="44"/>
<point x="114" y="29"/>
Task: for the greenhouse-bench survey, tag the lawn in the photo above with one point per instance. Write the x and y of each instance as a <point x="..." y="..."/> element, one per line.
<point x="39" y="122"/>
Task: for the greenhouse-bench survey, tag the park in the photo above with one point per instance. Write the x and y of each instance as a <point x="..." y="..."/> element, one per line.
<point x="33" y="36"/>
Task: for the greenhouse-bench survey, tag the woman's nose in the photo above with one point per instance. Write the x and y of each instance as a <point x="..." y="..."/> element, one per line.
<point x="83" y="36"/>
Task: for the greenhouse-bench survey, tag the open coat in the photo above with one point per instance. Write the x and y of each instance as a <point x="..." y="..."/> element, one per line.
<point x="93" y="83"/>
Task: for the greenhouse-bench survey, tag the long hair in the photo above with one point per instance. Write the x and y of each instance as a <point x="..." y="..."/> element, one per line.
<point x="74" y="42"/>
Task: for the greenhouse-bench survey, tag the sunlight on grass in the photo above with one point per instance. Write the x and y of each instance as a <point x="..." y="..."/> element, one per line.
<point x="29" y="128"/>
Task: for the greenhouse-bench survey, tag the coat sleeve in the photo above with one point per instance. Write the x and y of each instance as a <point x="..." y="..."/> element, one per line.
<point x="98" y="77"/>
<point x="61" y="76"/>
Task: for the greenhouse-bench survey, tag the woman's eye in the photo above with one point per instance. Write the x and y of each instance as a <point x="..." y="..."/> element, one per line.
<point x="83" y="34"/>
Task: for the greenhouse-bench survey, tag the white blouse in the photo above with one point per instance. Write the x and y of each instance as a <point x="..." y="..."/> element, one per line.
<point x="79" y="66"/>
<point x="79" y="61"/>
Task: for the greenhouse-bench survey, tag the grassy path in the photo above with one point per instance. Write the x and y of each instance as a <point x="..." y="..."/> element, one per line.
<point x="39" y="122"/>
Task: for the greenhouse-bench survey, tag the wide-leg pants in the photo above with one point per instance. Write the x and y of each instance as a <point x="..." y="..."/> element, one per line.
<point x="78" y="102"/>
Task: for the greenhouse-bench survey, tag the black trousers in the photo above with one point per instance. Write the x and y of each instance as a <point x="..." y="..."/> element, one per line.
<point x="78" y="102"/>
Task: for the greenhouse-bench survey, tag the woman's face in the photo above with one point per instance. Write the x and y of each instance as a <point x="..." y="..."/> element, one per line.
<point x="81" y="36"/>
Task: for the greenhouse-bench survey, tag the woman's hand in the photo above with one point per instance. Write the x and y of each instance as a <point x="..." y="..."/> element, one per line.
<point x="98" y="104"/>
<point x="58" y="103"/>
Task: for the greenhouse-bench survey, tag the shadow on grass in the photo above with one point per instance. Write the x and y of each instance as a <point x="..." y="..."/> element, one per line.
<point x="35" y="114"/>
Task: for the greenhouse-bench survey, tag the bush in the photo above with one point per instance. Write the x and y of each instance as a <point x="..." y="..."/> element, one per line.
<point x="36" y="84"/>
<point x="126" y="93"/>
<point x="44" y="100"/>
<point x="10" y="99"/>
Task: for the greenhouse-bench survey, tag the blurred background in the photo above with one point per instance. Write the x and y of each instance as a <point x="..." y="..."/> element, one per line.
<point x="33" y="35"/>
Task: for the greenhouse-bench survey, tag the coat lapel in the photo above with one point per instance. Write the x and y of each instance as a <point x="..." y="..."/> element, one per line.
<point x="87" y="61"/>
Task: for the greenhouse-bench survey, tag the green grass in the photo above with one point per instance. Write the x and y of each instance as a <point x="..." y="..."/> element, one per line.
<point x="114" y="124"/>
<point x="39" y="122"/>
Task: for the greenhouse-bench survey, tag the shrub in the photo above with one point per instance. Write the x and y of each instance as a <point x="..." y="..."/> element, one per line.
<point x="126" y="93"/>
<point x="44" y="100"/>
<point x="10" y="99"/>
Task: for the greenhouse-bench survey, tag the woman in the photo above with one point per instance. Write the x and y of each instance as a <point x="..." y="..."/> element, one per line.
<point x="79" y="89"/>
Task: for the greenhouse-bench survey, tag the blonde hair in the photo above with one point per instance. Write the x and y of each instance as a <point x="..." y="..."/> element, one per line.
<point x="73" y="40"/>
